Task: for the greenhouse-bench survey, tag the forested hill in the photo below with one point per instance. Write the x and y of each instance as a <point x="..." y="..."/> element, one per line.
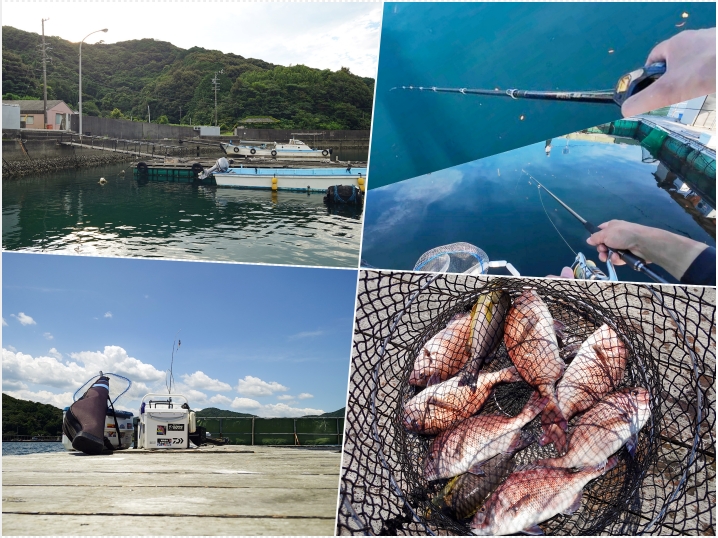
<point x="30" y="418"/>
<point x="124" y="78"/>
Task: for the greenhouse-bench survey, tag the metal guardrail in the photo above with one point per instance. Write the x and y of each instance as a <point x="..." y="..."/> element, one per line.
<point x="129" y="146"/>
<point x="253" y="434"/>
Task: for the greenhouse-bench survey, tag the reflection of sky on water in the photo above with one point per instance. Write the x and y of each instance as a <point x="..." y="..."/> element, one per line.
<point x="492" y="204"/>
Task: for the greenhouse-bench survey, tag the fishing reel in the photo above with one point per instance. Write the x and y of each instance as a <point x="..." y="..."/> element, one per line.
<point x="584" y="269"/>
<point x="636" y="81"/>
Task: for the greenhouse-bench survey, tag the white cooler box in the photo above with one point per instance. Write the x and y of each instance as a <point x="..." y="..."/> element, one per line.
<point x="164" y="423"/>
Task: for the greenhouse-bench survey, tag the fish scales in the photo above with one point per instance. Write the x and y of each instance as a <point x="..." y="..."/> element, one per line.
<point x="477" y="439"/>
<point x="439" y="406"/>
<point x="605" y="428"/>
<point x="596" y="370"/>
<point x="531" y="343"/>
<point x="533" y="495"/>
<point x="466" y="493"/>
<point x="444" y="354"/>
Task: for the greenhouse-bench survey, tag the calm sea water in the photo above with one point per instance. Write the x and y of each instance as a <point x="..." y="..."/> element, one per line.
<point x="22" y="449"/>
<point x="492" y="204"/>
<point x="69" y="212"/>
<point x="532" y="46"/>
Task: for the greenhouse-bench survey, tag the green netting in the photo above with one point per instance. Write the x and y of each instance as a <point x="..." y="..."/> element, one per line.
<point x="275" y="431"/>
<point x="237" y="425"/>
<point x="654" y="140"/>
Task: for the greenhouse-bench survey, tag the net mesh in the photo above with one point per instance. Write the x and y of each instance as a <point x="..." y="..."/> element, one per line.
<point x="453" y="258"/>
<point x="668" y="334"/>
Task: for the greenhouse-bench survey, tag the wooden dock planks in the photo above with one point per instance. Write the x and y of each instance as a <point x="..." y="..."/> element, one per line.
<point x="220" y="491"/>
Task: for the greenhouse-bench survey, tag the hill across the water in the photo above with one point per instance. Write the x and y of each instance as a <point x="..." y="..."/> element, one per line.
<point x="23" y="417"/>
<point x="121" y="80"/>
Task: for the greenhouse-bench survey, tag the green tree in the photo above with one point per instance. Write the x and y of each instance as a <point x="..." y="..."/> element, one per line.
<point x="116" y="113"/>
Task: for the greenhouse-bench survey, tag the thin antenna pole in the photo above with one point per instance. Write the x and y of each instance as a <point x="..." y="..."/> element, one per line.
<point x="44" y="77"/>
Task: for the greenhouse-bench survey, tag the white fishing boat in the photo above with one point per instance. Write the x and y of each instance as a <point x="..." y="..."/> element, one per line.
<point x="294" y="149"/>
<point x="290" y="179"/>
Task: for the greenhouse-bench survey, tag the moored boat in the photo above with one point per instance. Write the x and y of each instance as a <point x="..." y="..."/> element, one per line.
<point x="294" y="149"/>
<point x="292" y="179"/>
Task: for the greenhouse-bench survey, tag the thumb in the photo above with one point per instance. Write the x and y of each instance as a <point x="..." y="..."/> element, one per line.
<point x="659" y="94"/>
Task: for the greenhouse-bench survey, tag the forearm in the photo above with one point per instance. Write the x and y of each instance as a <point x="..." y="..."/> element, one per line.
<point x="672" y="252"/>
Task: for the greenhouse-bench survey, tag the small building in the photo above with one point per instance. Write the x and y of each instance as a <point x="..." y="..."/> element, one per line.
<point x="256" y="121"/>
<point x="31" y="114"/>
<point x="206" y="130"/>
<point x="10" y="116"/>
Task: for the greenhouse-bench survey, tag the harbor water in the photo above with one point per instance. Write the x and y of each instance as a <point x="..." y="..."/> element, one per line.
<point x="69" y="212"/>
<point x="492" y="204"/>
<point x="30" y="447"/>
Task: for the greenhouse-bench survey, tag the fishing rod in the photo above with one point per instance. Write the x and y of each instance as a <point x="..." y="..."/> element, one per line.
<point x="628" y="85"/>
<point x="633" y="261"/>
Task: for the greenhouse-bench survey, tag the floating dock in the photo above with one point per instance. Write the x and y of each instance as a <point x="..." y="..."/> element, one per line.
<point x="226" y="490"/>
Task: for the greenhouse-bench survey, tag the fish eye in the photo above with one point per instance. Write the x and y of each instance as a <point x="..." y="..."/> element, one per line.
<point x="634" y="392"/>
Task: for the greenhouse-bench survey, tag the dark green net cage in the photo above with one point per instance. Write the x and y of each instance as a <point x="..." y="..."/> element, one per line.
<point x="667" y="488"/>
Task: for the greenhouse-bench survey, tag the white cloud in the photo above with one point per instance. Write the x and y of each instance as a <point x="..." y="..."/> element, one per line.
<point x="55" y="353"/>
<point x="11" y="348"/>
<point x="4" y="323"/>
<point x="284" y="410"/>
<point x="24" y="319"/>
<point x="43" y="396"/>
<point x="200" y="380"/>
<point x="305" y="395"/>
<point x="246" y="404"/>
<point x="48" y="336"/>
<point x="12" y="384"/>
<point x="42" y="370"/>
<point x="115" y="359"/>
<point x="285" y="397"/>
<point x="253" y="386"/>
<point x="220" y="399"/>
<point x="306" y="334"/>
<point x="108" y="314"/>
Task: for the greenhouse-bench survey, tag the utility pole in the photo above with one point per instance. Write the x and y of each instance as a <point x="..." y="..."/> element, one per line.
<point x="44" y="77"/>
<point x="149" y="118"/>
<point x="215" y="83"/>
<point x="180" y="114"/>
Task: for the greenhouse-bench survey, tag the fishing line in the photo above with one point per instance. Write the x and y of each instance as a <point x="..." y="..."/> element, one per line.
<point x="552" y="224"/>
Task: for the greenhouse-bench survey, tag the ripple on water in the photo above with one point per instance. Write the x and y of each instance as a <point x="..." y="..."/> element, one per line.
<point x="68" y="213"/>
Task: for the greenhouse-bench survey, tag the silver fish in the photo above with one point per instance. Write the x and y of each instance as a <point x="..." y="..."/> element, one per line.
<point x="470" y="443"/>
<point x="533" y="495"/>
<point x="596" y="371"/>
<point x="531" y="342"/>
<point x="444" y="354"/>
<point x="437" y="407"/>
<point x="605" y="428"/>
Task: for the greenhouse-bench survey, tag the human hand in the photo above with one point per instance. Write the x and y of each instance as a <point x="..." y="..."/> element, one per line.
<point x="619" y="235"/>
<point x="690" y="58"/>
<point x="566" y="272"/>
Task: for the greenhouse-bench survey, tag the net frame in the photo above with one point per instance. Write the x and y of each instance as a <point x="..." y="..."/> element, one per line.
<point x="668" y="489"/>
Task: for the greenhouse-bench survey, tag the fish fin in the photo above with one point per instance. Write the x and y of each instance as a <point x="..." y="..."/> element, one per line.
<point x="470" y="372"/>
<point x="533" y="530"/>
<point x="554" y="435"/>
<point x="560" y="329"/>
<point x="631" y="445"/>
<point x="552" y="415"/>
<point x="600" y="352"/>
<point x="575" y="505"/>
<point x="476" y="469"/>
<point x="518" y="504"/>
<point x="610" y="464"/>
<point x="519" y="442"/>
<point x="509" y="375"/>
<point x="434" y="379"/>
<point x="525" y="325"/>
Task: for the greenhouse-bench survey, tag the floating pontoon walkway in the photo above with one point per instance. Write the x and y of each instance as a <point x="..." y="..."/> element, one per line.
<point x="228" y="490"/>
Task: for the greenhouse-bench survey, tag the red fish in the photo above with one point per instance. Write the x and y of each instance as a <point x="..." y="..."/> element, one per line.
<point x="444" y="354"/>
<point x="596" y="370"/>
<point x="531" y="342"/>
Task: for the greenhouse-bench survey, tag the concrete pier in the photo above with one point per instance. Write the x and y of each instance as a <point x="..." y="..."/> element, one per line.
<point x="208" y="491"/>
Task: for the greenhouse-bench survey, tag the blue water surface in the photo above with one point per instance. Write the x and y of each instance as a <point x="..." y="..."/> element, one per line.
<point x="533" y="46"/>
<point x="496" y="206"/>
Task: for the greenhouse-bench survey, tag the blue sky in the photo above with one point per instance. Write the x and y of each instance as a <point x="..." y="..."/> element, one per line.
<point x="271" y="341"/>
<point x="325" y="35"/>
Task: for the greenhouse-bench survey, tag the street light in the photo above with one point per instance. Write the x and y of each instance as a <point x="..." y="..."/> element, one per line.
<point x="81" y="42"/>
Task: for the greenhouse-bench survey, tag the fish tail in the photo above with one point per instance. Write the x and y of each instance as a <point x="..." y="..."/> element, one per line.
<point x="552" y="416"/>
<point x="509" y="375"/>
<point x="535" y="405"/>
